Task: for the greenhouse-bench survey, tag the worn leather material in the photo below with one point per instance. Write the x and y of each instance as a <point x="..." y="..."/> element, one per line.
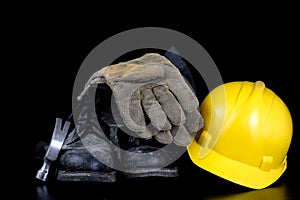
<point x="152" y="87"/>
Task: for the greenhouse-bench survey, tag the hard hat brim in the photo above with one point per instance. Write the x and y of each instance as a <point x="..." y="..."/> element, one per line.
<point x="234" y="171"/>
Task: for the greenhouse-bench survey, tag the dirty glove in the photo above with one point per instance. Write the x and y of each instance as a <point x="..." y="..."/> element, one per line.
<point x="152" y="84"/>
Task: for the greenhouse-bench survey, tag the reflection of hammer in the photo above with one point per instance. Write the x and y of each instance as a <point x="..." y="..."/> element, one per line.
<point x="56" y="143"/>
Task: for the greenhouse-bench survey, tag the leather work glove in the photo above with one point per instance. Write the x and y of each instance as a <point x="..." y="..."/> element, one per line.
<point x="152" y="84"/>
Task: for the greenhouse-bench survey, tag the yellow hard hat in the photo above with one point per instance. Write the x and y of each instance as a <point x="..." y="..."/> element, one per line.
<point x="246" y="135"/>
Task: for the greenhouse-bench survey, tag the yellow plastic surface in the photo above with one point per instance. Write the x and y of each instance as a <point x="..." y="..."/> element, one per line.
<point x="246" y="136"/>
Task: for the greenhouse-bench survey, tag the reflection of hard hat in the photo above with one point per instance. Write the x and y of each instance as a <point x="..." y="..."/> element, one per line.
<point x="247" y="133"/>
<point x="275" y="193"/>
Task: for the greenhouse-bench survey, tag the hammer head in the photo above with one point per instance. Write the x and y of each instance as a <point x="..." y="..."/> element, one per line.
<point x="57" y="140"/>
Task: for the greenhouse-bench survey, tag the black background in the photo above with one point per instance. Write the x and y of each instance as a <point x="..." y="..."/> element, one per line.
<point x="251" y="47"/>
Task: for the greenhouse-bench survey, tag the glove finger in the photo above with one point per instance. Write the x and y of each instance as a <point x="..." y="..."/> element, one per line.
<point x="194" y="122"/>
<point x="147" y="134"/>
<point x="96" y="78"/>
<point x="184" y="94"/>
<point x="169" y="104"/>
<point x="129" y="106"/>
<point x="164" y="137"/>
<point x="181" y="136"/>
<point x="154" y="111"/>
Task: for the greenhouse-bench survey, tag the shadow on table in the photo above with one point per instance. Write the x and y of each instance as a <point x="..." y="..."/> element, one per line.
<point x="140" y="189"/>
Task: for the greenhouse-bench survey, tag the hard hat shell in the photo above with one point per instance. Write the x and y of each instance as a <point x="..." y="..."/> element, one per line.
<point x="246" y="136"/>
